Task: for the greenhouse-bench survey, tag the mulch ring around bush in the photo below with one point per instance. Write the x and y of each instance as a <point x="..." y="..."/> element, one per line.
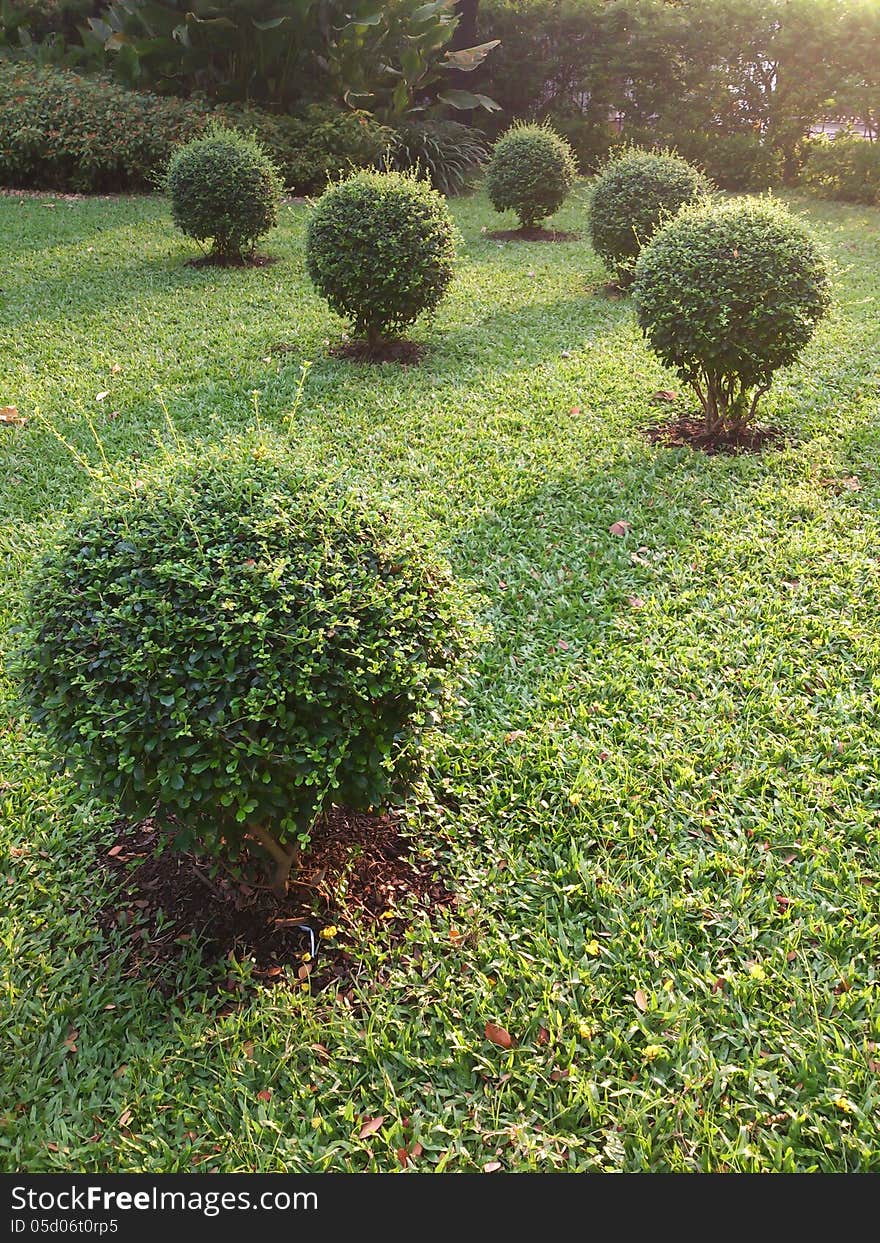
<point x="689" y="430"/>
<point x="532" y="235"/>
<point x="360" y="879"/>
<point x="232" y="261"/>
<point x="399" y="350"/>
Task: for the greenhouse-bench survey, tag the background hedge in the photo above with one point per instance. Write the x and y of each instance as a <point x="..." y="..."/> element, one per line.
<point x="60" y="130"/>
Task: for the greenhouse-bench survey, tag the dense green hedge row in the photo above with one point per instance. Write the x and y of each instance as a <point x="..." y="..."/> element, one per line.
<point x="845" y="168"/>
<point x="61" y="131"/>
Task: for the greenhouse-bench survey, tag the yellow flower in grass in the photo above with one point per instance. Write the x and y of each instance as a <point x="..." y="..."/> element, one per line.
<point x="328" y="933"/>
<point x="652" y="1051"/>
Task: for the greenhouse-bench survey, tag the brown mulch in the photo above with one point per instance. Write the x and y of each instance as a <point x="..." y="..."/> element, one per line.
<point x="689" y="430"/>
<point x="230" y="261"/>
<point x="360" y="875"/>
<point x="532" y="235"/>
<point x="399" y="350"/>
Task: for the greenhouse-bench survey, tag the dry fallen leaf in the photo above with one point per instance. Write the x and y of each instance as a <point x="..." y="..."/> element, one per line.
<point x="248" y="1049"/>
<point x="636" y="602"/>
<point x="371" y="1126"/>
<point x="10" y="416"/>
<point x="664" y="394"/>
<point x="265" y="1094"/>
<point x="619" y="528"/>
<point x="416" y="1150"/>
<point x="403" y="1157"/>
<point x="491" y="1166"/>
<point x="641" y="999"/>
<point x="543" y="1036"/>
<point x="499" y="1035"/>
<point x="101" y="396"/>
<point x="125" y="1117"/>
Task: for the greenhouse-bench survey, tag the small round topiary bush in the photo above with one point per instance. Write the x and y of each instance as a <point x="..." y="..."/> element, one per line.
<point x="727" y="293"/>
<point x="531" y="171"/>
<point x="239" y="645"/>
<point x="634" y="193"/>
<point x="381" y="248"/>
<point x="224" y="189"/>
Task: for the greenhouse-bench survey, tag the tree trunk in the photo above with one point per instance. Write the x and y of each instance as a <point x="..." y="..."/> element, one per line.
<point x="465" y="36"/>
<point x="284" y="859"/>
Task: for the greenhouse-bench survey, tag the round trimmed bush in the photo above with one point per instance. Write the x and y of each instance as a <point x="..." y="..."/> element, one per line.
<point x="239" y="645"/>
<point x="224" y="189"/>
<point x="381" y="249"/>
<point x="633" y="195"/>
<point x="727" y="293"/>
<point x="531" y="171"/>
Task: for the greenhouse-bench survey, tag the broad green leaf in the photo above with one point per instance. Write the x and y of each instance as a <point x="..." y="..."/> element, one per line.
<point x="464" y="101"/>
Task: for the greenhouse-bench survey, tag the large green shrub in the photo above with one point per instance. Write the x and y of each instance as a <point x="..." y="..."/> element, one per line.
<point x="845" y="168"/>
<point x="727" y="293"/>
<point x="635" y="192"/>
<point x="60" y="131"/>
<point x="531" y="172"/>
<point x="239" y="645"/>
<point x="316" y="146"/>
<point x="224" y="188"/>
<point x="381" y="248"/>
<point x="744" y="162"/>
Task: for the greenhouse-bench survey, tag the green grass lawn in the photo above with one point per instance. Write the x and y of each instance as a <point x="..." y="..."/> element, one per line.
<point x="660" y="811"/>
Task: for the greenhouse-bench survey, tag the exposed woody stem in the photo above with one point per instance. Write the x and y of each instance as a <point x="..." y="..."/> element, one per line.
<point x="284" y="859"/>
<point x="759" y="393"/>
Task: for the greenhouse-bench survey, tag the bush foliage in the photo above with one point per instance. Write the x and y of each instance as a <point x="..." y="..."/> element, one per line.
<point x="380" y="248"/>
<point x="531" y="171"/>
<point x="727" y="293"/>
<point x="61" y="131"/>
<point x="845" y="168"/>
<point x="635" y="192"/>
<point x="316" y="146"/>
<point x="239" y="644"/>
<point x="742" y="162"/>
<point x="694" y="67"/>
<point x="224" y="189"/>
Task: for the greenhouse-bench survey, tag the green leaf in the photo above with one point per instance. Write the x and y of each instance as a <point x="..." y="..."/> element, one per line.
<point x="465" y="101"/>
<point x="467" y="59"/>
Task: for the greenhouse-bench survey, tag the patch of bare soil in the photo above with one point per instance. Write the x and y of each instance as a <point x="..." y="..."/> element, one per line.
<point x="232" y="261"/>
<point x="360" y="876"/>
<point x="398" y="350"/>
<point x="689" y="430"/>
<point x="532" y="235"/>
